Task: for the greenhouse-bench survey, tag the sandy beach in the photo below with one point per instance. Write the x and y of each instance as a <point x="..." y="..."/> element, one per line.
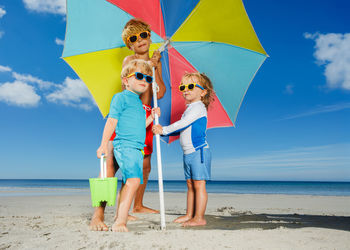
<point x="234" y="222"/>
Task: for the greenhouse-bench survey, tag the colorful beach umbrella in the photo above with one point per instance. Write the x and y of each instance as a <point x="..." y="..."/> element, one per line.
<point x="210" y="36"/>
<point x="214" y="37"/>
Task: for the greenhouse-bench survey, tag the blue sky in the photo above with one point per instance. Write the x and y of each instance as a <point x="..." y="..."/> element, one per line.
<point x="293" y="124"/>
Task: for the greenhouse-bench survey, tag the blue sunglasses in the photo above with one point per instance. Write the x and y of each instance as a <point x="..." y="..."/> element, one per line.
<point x="140" y="76"/>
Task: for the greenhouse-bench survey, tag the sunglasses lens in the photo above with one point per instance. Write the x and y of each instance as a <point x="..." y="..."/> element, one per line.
<point x="139" y="76"/>
<point x="190" y="86"/>
<point x="133" y="39"/>
<point x="182" y="87"/>
<point x="144" y="35"/>
<point x="149" y="79"/>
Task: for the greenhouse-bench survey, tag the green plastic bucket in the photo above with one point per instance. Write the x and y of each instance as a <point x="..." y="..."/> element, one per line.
<point x="103" y="189"/>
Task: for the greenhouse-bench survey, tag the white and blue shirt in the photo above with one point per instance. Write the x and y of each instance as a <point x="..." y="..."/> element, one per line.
<point x="192" y="128"/>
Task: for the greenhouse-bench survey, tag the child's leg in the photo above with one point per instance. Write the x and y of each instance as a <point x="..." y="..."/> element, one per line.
<point x="201" y="198"/>
<point x="138" y="202"/>
<point x="111" y="167"/>
<point x="97" y="220"/>
<point x="126" y="196"/>
<point x="130" y="217"/>
<point x="190" y="204"/>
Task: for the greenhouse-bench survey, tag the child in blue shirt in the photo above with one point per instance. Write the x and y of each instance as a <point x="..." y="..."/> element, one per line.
<point x="128" y="119"/>
<point x="198" y="92"/>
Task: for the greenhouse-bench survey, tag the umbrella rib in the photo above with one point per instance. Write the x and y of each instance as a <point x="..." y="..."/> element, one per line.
<point x="181" y="44"/>
<point x="159" y="16"/>
<point x="173" y="54"/>
<point x="189" y="16"/>
<point x="167" y="69"/>
<point x="251" y="80"/>
<point x="254" y="30"/>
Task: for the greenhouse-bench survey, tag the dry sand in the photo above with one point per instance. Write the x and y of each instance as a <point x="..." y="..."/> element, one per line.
<point x="234" y="222"/>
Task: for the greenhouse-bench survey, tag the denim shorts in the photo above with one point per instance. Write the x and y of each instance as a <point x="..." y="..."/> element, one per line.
<point x="197" y="165"/>
<point x="130" y="161"/>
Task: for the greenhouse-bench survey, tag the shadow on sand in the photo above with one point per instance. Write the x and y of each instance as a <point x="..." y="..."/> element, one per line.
<point x="271" y="221"/>
<point x="247" y="220"/>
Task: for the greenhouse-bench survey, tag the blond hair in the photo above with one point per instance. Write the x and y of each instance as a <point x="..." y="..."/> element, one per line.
<point x="131" y="67"/>
<point x="133" y="27"/>
<point x="205" y="82"/>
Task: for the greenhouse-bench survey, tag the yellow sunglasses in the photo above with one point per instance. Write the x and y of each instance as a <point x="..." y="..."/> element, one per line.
<point x="189" y="86"/>
<point x="143" y="35"/>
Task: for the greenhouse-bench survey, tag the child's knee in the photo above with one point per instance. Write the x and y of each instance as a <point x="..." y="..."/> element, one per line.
<point x="189" y="184"/>
<point x="133" y="182"/>
<point x="199" y="184"/>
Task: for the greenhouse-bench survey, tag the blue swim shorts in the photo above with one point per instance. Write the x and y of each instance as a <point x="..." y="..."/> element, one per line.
<point x="197" y="165"/>
<point x="130" y="161"/>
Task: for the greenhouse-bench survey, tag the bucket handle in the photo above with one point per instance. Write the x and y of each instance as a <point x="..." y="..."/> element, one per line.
<point x="103" y="167"/>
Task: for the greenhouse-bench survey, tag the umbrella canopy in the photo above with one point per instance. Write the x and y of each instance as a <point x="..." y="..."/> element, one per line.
<point x="217" y="39"/>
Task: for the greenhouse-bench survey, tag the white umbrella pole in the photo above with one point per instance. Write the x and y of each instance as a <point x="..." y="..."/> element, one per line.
<point x="103" y="167"/>
<point x="159" y="157"/>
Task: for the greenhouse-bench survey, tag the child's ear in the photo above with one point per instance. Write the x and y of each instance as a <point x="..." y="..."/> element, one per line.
<point x="125" y="81"/>
<point x="204" y="93"/>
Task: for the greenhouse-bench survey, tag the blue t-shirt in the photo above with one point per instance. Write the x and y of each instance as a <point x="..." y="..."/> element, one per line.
<point x="130" y="131"/>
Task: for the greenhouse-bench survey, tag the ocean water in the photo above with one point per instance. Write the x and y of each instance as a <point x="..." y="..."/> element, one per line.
<point x="12" y="187"/>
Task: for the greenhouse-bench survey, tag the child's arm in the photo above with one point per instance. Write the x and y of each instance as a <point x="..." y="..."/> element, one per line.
<point x="155" y="61"/>
<point x="111" y="123"/>
<point x="157" y="129"/>
<point x="115" y="110"/>
<point x="188" y="118"/>
<point x="150" y="118"/>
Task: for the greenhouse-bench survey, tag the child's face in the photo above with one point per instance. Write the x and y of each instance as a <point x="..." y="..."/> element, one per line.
<point x="141" y="45"/>
<point x="134" y="85"/>
<point x="195" y="94"/>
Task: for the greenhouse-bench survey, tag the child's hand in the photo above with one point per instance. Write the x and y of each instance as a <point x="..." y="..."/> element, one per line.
<point x="155" y="58"/>
<point x="101" y="151"/>
<point x="157" y="129"/>
<point x="154" y="112"/>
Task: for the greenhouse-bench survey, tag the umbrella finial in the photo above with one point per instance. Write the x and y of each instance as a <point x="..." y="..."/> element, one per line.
<point x="164" y="45"/>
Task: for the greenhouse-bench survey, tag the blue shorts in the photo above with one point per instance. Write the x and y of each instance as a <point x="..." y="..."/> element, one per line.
<point x="130" y="161"/>
<point x="197" y="166"/>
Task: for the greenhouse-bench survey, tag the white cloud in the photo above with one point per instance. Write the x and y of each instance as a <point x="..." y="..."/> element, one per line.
<point x="320" y="110"/>
<point x="46" y="6"/>
<point x="5" y="69"/>
<point x="32" y="79"/>
<point x="1" y="33"/>
<point x="72" y="92"/>
<point x="289" y="89"/>
<point x="333" y="51"/>
<point x="2" y="12"/>
<point x="19" y="93"/>
<point x="59" y="41"/>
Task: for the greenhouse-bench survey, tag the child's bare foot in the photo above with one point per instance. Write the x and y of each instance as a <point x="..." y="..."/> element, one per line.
<point x="97" y="223"/>
<point x="119" y="227"/>
<point x="182" y="219"/>
<point x="145" y="210"/>
<point x="194" y="222"/>
<point x="131" y="218"/>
